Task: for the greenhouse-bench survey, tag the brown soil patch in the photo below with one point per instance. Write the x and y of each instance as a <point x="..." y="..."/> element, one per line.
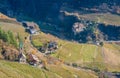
<point x="110" y="57"/>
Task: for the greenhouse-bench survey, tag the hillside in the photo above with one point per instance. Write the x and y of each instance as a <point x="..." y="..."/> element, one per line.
<point x="80" y="60"/>
<point x="85" y="55"/>
<point x="16" y="70"/>
<point x="59" y="39"/>
<point x="62" y="15"/>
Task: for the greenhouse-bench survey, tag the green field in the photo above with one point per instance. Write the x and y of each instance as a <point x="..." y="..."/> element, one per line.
<point x="75" y="52"/>
<point x="88" y="55"/>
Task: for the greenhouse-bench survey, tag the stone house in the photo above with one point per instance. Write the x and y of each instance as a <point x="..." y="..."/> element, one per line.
<point x="22" y="58"/>
<point x="33" y="59"/>
<point x="49" y="48"/>
<point x="31" y="27"/>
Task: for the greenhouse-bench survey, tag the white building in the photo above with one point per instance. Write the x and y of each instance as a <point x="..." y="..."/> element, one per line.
<point x="77" y="28"/>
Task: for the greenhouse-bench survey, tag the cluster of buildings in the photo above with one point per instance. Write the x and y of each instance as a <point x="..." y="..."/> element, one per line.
<point x="30" y="27"/>
<point x="49" y="48"/>
<point x="29" y="58"/>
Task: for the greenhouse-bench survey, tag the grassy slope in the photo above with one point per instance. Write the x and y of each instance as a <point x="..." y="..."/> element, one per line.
<point x="106" y="18"/>
<point x="16" y="70"/>
<point x="68" y="72"/>
<point x="42" y="38"/>
<point x="91" y="55"/>
<point x="14" y="27"/>
<point x="109" y="19"/>
<point x="112" y="52"/>
<point x="70" y="51"/>
<point x="86" y="54"/>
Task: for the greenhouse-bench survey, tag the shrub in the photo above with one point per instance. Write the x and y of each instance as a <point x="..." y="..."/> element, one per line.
<point x="101" y="43"/>
<point x="8" y="37"/>
<point x="74" y="64"/>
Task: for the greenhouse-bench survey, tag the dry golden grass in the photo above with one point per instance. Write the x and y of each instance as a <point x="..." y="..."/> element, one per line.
<point x="69" y="72"/>
<point x="110" y="57"/>
<point x="16" y="70"/>
<point x="15" y="28"/>
<point x="108" y="19"/>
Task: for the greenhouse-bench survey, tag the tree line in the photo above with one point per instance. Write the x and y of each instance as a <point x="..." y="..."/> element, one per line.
<point x="8" y="37"/>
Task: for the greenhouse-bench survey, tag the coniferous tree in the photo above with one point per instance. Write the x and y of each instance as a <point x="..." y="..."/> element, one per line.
<point x="12" y="39"/>
<point x="8" y="37"/>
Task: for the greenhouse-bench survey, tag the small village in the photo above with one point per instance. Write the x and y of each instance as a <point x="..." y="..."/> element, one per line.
<point x="45" y="50"/>
<point x="30" y="57"/>
<point x="50" y="48"/>
<point x="59" y="38"/>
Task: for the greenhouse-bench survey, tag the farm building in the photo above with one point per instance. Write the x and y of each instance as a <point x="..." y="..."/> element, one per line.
<point x="49" y="48"/>
<point x="31" y="27"/>
<point x="22" y="58"/>
<point x="52" y="46"/>
<point x="32" y="59"/>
